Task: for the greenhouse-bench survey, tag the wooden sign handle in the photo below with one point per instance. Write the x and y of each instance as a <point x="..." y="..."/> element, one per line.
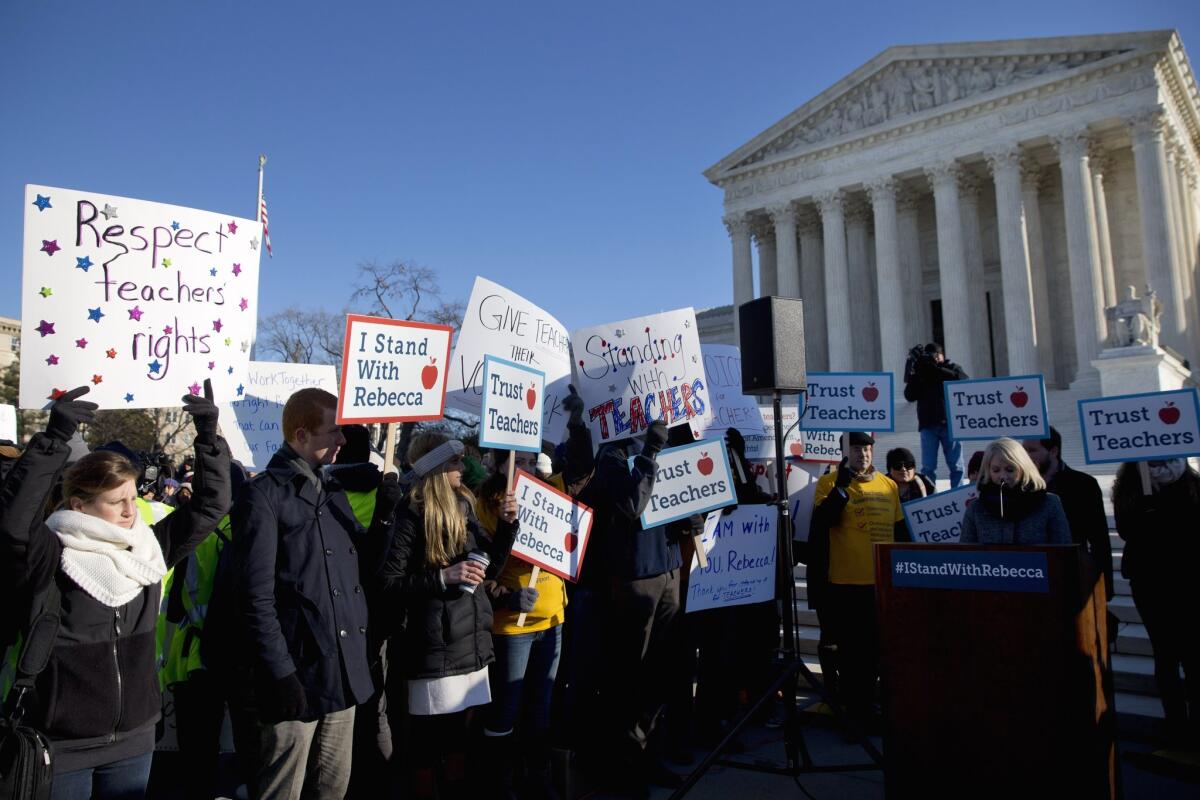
<point x="533" y="579"/>
<point x="1144" y="474"/>
<point x="701" y="556"/>
<point x="512" y="468"/>
<point x="389" y="448"/>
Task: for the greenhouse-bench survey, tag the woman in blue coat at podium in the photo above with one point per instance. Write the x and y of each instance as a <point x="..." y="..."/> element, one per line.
<point x="1013" y="506"/>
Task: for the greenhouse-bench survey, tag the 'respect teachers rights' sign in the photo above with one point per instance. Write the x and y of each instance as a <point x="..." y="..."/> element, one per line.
<point x="140" y="301"/>
<point x="512" y="406"/>
<point x="1140" y="427"/>
<point x="554" y="527"/>
<point x="854" y="401"/>
<point x="988" y="408"/>
<point x="393" y="370"/>
<point x="692" y="479"/>
<point x="937" y="519"/>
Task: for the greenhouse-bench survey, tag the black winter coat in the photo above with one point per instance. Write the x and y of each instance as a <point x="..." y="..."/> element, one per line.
<point x="98" y="698"/>
<point x="925" y="389"/>
<point x="1083" y="503"/>
<point x="1161" y="542"/>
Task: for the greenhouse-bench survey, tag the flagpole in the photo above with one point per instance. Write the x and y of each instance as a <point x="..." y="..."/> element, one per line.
<point x="262" y="161"/>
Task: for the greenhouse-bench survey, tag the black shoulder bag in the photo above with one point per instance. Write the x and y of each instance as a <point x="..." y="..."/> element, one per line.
<point x="25" y="759"/>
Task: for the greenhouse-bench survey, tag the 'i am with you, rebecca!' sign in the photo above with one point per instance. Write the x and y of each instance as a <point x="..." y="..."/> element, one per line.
<point x="393" y="370"/>
<point x="1140" y="427"/>
<point x="988" y="408"/>
<point x="512" y="406"/>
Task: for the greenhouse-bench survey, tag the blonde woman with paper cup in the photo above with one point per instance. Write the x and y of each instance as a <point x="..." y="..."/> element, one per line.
<point x="1013" y="506"/>
<point x="439" y="555"/>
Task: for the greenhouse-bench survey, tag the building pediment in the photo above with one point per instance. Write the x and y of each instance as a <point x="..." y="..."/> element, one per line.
<point x="907" y="84"/>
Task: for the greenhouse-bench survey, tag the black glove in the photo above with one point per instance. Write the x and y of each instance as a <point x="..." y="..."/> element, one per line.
<point x="68" y="413"/>
<point x="204" y="414"/>
<point x="286" y="699"/>
<point x="388" y="496"/>
<point x="521" y="600"/>
<point x="656" y="437"/>
<point x="573" y="405"/>
<point x="844" y="475"/>
<point x="736" y="442"/>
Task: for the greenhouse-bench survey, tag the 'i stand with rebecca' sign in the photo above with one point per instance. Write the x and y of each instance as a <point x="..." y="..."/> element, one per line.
<point x="854" y="401"/>
<point x="988" y="408"/>
<point x="140" y="301"/>
<point x="692" y="479"/>
<point x="512" y="406"/>
<point x="393" y="370"/>
<point x="554" y="527"/>
<point x="1141" y="427"/>
<point x="937" y="519"/>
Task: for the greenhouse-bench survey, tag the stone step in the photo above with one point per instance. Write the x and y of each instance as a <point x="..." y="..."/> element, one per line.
<point x="1124" y="609"/>
<point x="805" y="615"/>
<point x="1121" y="585"/>
<point x="1133" y="674"/>
<point x="1133" y="640"/>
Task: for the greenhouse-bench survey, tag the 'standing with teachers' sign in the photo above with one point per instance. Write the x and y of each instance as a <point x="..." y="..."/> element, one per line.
<point x="730" y="408"/>
<point x="634" y="372"/>
<point x="741" y="548"/>
<point x="988" y="408"/>
<point x="502" y="323"/>
<point x="854" y="401"/>
<point x="393" y="370"/>
<point x="554" y="527"/>
<point x="140" y="301"/>
<point x="512" y="406"/>
<point x="1141" y="427"/>
<point x="253" y="423"/>
<point x="691" y="479"/>
<point x="937" y="519"/>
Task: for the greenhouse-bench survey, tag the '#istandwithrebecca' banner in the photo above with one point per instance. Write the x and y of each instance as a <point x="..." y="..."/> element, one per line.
<point x="988" y="408"/>
<point x="1140" y="427"/>
<point x="848" y="401"/>
<point x="691" y="479"/>
<point x="393" y="370"/>
<point x="740" y="547"/>
<point x="937" y="519"/>
<point x="253" y="423"/>
<point x="636" y="371"/>
<point x="140" y="301"/>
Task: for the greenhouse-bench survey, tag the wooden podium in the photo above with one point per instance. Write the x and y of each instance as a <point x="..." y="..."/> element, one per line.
<point x="995" y="670"/>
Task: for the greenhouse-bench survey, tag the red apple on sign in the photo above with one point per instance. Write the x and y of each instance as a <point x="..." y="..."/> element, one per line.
<point x="705" y="464"/>
<point x="869" y="393"/>
<point x="797" y="449"/>
<point x="1019" y="398"/>
<point x="429" y="374"/>
<point x="1169" y="413"/>
<point x="531" y="397"/>
<point x="570" y="542"/>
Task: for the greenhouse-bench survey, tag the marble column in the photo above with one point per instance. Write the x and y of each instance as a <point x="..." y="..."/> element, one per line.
<point x="787" y="267"/>
<point x="764" y="237"/>
<point x="893" y="345"/>
<point x="968" y="198"/>
<point x="865" y="325"/>
<point x="952" y="275"/>
<point x="1150" y="164"/>
<point x="1174" y="218"/>
<point x="908" y="232"/>
<point x="1031" y="176"/>
<point x="738" y="226"/>
<point x="1083" y="262"/>
<point x="837" y="281"/>
<point x="812" y="289"/>
<point x="1019" y="326"/>
<point x="1100" y="164"/>
<point x="1187" y="243"/>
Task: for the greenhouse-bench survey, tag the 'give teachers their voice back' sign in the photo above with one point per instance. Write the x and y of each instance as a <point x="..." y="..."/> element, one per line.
<point x="691" y="479"/>
<point x="140" y="301"/>
<point x="988" y="408"/>
<point x="1141" y="427"/>
<point x="392" y="370"/>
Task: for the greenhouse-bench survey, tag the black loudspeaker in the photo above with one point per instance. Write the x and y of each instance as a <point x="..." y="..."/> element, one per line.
<point x="772" y="345"/>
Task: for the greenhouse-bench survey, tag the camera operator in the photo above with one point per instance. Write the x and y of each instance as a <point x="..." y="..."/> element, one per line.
<point x="924" y="373"/>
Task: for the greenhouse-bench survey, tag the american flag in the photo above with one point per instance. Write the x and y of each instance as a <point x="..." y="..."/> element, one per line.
<point x="266" y="232"/>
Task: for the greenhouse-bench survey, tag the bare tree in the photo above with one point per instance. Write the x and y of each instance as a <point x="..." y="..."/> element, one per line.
<point x="302" y="337"/>
<point x="403" y="290"/>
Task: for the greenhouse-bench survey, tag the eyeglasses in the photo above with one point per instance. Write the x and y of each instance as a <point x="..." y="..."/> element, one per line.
<point x="908" y="465"/>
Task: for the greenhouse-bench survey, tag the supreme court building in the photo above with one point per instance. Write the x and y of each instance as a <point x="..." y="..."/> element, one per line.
<point x="995" y="196"/>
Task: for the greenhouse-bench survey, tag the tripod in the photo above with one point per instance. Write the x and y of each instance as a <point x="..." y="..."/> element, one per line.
<point x="796" y="754"/>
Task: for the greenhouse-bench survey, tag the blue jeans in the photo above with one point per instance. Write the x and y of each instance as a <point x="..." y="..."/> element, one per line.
<point x="931" y="439"/>
<point x="120" y="780"/>
<point x="525" y="667"/>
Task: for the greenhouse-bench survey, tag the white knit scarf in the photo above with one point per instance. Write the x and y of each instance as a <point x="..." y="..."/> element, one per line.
<point x="109" y="562"/>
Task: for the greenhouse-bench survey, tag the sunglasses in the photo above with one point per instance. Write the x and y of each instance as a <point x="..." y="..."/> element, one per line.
<point x="906" y="465"/>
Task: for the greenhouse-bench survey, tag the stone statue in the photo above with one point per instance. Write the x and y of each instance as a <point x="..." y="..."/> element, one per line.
<point x="1134" y="321"/>
<point x="924" y="86"/>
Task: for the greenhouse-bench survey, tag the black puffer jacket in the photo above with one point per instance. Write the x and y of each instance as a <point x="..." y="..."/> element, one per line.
<point x="926" y="390"/>
<point x="98" y="699"/>
<point x="449" y="631"/>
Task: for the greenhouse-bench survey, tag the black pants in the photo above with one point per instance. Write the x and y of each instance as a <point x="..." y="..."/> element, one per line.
<point x="1169" y="612"/>
<point x="200" y="704"/>
<point x="847" y="617"/>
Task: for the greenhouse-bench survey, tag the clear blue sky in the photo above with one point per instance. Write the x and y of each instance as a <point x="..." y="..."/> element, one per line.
<point x="555" y="147"/>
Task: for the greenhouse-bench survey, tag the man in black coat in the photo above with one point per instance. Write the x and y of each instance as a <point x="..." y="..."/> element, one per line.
<point x="924" y="376"/>
<point x="303" y="605"/>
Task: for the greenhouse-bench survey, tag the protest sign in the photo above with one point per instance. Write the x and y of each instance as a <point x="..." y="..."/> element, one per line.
<point x="512" y="406"/>
<point x="730" y="408"/>
<point x="762" y="444"/>
<point x="937" y="519"/>
<point x="502" y="323"/>
<point x="801" y="478"/>
<point x="821" y="447"/>
<point x="252" y="423"/>
<point x="554" y="527"/>
<point x="1140" y="427"/>
<point x="8" y="422"/>
<point x="393" y="370"/>
<point x="988" y="408"/>
<point x="854" y="401"/>
<point x="740" y="570"/>
<point x="691" y="479"/>
<point x="636" y="371"/>
<point x="140" y="301"/>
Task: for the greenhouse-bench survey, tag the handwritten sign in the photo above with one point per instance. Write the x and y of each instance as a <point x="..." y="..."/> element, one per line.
<point x="855" y="401"/>
<point x="393" y="370"/>
<point x="512" y="406"/>
<point x="937" y="519"/>
<point x="730" y="408"/>
<point x="762" y="444"/>
<point x="801" y="478"/>
<point x="502" y="323"/>
<point x="634" y="372"/>
<point x="253" y="423"/>
<point x="692" y="479"/>
<point x="988" y="408"/>
<point x="741" y="549"/>
<point x="554" y="527"/>
<point x="1140" y="427"/>
<point x="140" y="301"/>
<point x="8" y="422"/>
